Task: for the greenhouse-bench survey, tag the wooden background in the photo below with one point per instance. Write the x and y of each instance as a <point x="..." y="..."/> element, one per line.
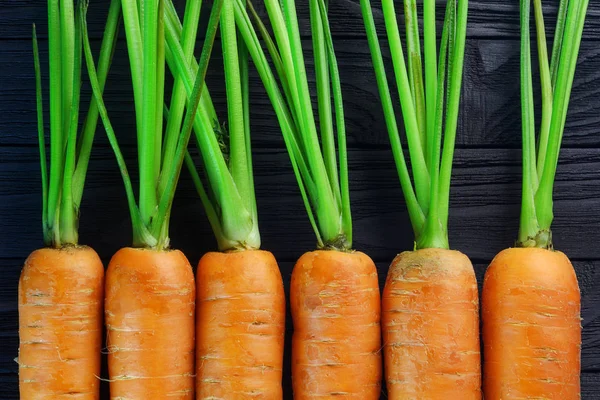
<point x="486" y="181"/>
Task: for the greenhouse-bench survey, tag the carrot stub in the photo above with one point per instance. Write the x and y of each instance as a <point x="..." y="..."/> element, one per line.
<point x="430" y="325"/>
<point x="240" y="325"/>
<point x="60" y="323"/>
<point x="336" y="346"/>
<point x="150" y="295"/>
<point x="532" y="330"/>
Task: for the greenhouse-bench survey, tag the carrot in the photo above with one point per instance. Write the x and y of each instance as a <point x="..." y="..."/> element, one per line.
<point x="333" y="333"/>
<point x="532" y="327"/>
<point x="334" y="291"/>
<point x="61" y="286"/>
<point x="437" y="286"/>
<point x="240" y="325"/>
<point x="60" y="323"/>
<point x="150" y="290"/>
<point x="240" y="322"/>
<point x="150" y="296"/>
<point x="530" y="300"/>
<point x="430" y="301"/>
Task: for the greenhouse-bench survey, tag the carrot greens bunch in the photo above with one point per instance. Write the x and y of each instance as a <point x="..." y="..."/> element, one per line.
<point x="556" y="77"/>
<point x="70" y="147"/>
<point x="320" y="169"/>
<point x="430" y="103"/>
<point x="160" y="153"/>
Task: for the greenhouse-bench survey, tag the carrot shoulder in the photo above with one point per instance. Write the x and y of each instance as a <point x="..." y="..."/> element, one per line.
<point x="336" y="344"/>
<point x="430" y="321"/>
<point x="60" y="323"/>
<point x="531" y="326"/>
<point x="150" y="325"/>
<point x="240" y="326"/>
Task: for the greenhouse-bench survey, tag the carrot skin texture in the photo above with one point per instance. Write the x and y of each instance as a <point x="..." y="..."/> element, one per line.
<point x="150" y="324"/>
<point x="430" y="319"/>
<point x="240" y="326"/>
<point x="531" y="326"/>
<point x="60" y="323"/>
<point x="336" y="310"/>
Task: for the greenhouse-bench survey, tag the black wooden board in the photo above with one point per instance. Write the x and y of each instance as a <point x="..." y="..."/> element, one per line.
<point x="486" y="178"/>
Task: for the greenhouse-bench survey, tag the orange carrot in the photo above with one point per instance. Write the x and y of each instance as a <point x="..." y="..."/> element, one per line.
<point x="532" y="327"/>
<point x="150" y="325"/>
<point x="240" y="326"/>
<point x="530" y="300"/>
<point x="336" y="347"/>
<point x="431" y="327"/>
<point x="60" y="323"/>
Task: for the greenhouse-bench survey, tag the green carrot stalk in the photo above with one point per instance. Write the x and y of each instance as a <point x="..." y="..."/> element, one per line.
<point x="427" y="195"/>
<point x="321" y="171"/>
<point x="70" y="147"/>
<point x="146" y="26"/>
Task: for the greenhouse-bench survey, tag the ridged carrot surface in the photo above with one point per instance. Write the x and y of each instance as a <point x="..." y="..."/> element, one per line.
<point x="430" y="320"/>
<point x="531" y="326"/>
<point x="336" y="347"/>
<point x="149" y="311"/>
<point x="240" y="326"/>
<point x="60" y="324"/>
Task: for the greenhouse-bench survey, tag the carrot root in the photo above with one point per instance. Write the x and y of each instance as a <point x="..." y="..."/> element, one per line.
<point x="60" y="323"/>
<point x="430" y="324"/>
<point x="336" y="346"/>
<point x="150" y="325"/>
<point x="240" y="326"/>
<point x="531" y="326"/>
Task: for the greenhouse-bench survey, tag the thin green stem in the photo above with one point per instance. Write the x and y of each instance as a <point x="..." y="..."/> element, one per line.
<point x="178" y="96"/>
<point x="455" y="71"/>
<point x="41" y="137"/>
<point x="284" y="116"/>
<point x="56" y="118"/>
<point x="160" y="92"/>
<point x="86" y="140"/>
<point x="415" y="67"/>
<point x="340" y="124"/>
<point x="547" y="94"/>
<point x="141" y="235"/>
<point x="529" y="226"/>
<point x="67" y="54"/>
<point x="566" y="70"/>
<point x="136" y="56"/>
<point x="324" y="98"/>
<point x="147" y="136"/>
<point x="431" y="77"/>
<point x="327" y="210"/>
<point x="558" y="39"/>
<point x="435" y="235"/>
<point x="232" y="228"/>
<point x="69" y="213"/>
<point x="417" y="156"/>
<point x="415" y="212"/>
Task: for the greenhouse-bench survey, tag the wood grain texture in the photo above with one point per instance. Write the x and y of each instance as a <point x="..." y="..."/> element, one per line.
<point x="486" y="18"/>
<point x="489" y="115"/>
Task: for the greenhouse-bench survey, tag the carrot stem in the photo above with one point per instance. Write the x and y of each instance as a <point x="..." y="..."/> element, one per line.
<point x="41" y="138"/>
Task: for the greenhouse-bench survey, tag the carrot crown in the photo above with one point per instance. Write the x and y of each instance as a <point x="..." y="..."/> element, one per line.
<point x="228" y="193"/>
<point x="556" y="76"/>
<point x="429" y="104"/>
<point x="315" y="159"/>
<point x="160" y="155"/>
<point x="62" y="187"/>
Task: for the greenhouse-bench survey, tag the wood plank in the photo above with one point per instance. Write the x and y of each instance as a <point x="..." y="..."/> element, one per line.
<point x="486" y="19"/>
<point x="489" y="117"/>
<point x="484" y="214"/>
